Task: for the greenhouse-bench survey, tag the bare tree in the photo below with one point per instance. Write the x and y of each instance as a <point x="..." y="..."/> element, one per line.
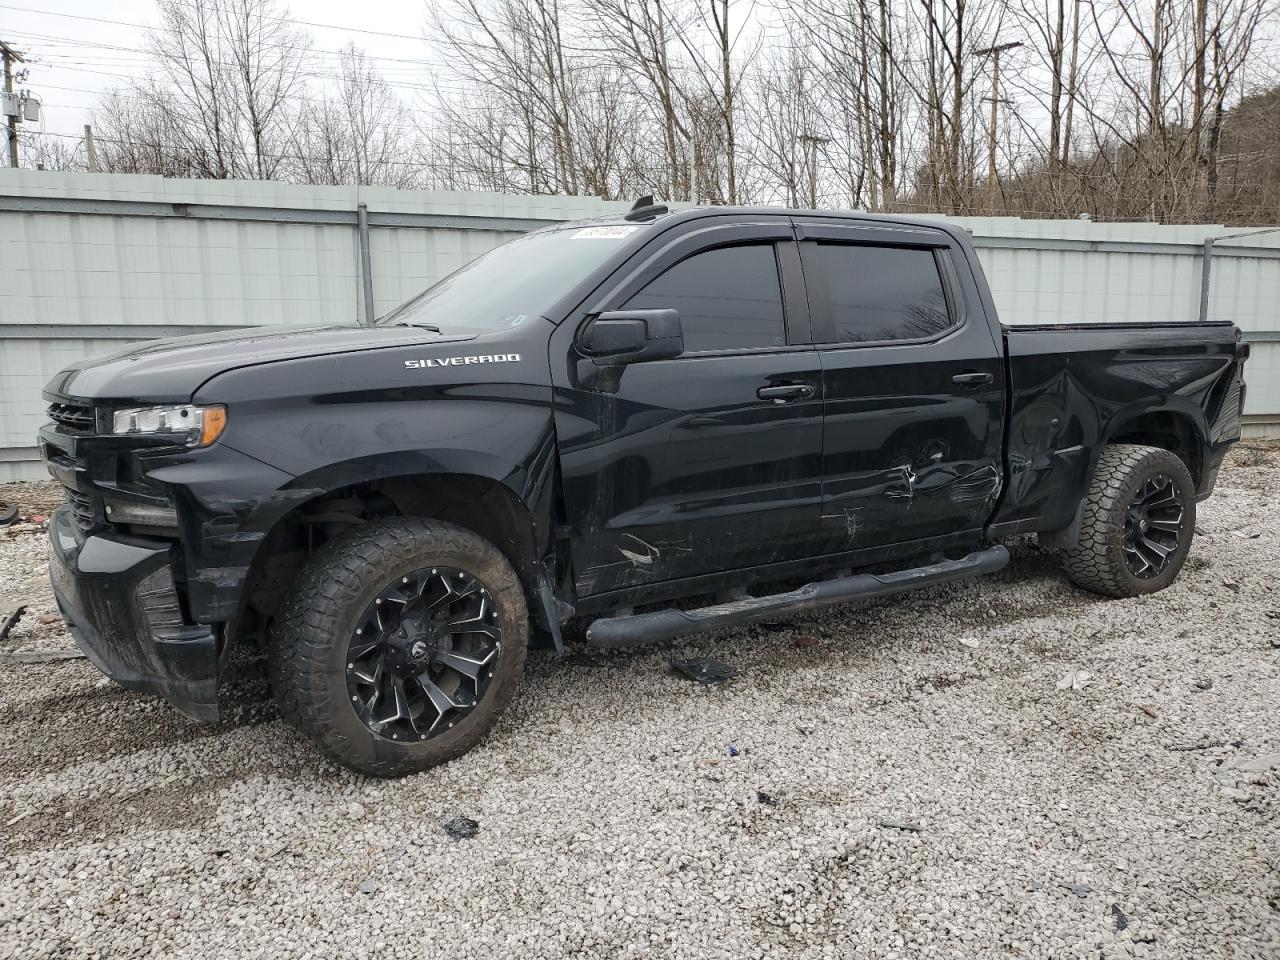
<point x="1150" y="108"/>
<point x="856" y="47"/>
<point x="360" y="133"/>
<point x="42" y="151"/>
<point x="514" y="50"/>
<point x="640" y="36"/>
<point x="223" y="98"/>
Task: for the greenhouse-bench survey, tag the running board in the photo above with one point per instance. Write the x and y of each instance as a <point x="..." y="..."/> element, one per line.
<point x="617" y="632"/>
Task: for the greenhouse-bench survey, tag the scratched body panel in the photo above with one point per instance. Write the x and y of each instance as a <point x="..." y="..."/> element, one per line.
<point x="684" y="470"/>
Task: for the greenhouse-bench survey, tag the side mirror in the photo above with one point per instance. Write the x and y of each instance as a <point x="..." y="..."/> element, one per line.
<point x="621" y="337"/>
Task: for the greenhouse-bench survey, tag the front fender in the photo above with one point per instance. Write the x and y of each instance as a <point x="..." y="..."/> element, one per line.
<point x="505" y="434"/>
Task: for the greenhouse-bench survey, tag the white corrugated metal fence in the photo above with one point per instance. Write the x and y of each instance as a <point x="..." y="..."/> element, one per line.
<point x="89" y="262"/>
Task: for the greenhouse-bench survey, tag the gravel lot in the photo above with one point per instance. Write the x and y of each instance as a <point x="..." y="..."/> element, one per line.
<point x="1136" y="813"/>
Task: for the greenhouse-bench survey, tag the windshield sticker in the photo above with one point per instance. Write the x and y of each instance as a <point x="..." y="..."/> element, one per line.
<point x="603" y="233"/>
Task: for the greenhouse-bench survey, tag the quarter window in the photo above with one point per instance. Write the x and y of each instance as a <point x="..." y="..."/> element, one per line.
<point x="729" y="298"/>
<point x="882" y="293"/>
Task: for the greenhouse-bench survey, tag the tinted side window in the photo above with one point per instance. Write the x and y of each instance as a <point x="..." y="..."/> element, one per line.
<point x="729" y="298"/>
<point x="882" y="293"/>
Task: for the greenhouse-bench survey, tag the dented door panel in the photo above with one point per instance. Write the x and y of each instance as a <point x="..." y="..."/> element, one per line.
<point x="912" y="427"/>
<point x="907" y="455"/>
<point x="685" y="470"/>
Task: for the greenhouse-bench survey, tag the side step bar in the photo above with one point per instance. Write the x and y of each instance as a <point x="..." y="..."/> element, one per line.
<point x="617" y="632"/>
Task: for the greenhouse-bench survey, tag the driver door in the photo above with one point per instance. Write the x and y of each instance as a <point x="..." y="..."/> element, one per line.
<point x="710" y="461"/>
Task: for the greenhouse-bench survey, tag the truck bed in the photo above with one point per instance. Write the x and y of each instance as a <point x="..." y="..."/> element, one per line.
<point x="1073" y="388"/>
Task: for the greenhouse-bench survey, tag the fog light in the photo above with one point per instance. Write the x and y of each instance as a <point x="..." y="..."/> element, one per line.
<point x="144" y="514"/>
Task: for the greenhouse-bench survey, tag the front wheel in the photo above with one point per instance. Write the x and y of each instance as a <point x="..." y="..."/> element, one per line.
<point x="399" y="645"/>
<point x="1136" y="523"/>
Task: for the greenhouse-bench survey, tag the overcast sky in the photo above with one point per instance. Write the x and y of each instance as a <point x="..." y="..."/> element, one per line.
<point x="79" y="48"/>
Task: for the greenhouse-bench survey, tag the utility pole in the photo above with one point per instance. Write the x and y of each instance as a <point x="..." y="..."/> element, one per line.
<point x="993" y="184"/>
<point x="11" y="56"/>
<point x="812" y="141"/>
<point x="90" y="150"/>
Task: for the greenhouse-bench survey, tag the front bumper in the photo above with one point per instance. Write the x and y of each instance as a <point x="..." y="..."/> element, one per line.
<point x="119" y="600"/>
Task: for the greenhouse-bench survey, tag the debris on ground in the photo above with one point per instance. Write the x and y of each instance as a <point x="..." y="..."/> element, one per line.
<point x="765" y="799"/>
<point x="1205" y="684"/>
<point x="971" y="642"/>
<point x="806" y="640"/>
<point x="705" y="670"/>
<point x="20" y="817"/>
<point x="733" y="749"/>
<point x="461" y="828"/>
<point x="40" y="656"/>
<point x="1241" y="768"/>
<point x="1119" y="916"/>
<point x="899" y="825"/>
<point x="164" y="782"/>
<point x="1150" y="710"/>
<point x="1075" y="680"/>
<point x="8" y="513"/>
<point x="1081" y="890"/>
<point x="367" y="887"/>
<point x="11" y="621"/>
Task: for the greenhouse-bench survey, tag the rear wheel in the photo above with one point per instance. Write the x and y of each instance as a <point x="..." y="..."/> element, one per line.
<point x="1136" y="524"/>
<point x="400" y="645"/>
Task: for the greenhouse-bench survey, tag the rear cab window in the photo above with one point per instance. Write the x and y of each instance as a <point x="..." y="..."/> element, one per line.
<point x="882" y="293"/>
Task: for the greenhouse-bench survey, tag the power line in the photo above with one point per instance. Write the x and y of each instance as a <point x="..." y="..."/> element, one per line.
<point x="303" y="49"/>
<point x="144" y="26"/>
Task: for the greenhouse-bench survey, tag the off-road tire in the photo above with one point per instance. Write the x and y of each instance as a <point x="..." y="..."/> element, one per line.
<point x="309" y="639"/>
<point x="1097" y="562"/>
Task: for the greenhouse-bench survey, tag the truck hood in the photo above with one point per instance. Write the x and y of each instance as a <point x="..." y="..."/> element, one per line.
<point x="171" y="370"/>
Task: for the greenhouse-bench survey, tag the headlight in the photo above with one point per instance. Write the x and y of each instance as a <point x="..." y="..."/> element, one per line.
<point x="187" y="424"/>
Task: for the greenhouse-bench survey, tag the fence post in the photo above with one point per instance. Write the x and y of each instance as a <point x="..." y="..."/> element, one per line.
<point x="1206" y="266"/>
<point x="366" y="262"/>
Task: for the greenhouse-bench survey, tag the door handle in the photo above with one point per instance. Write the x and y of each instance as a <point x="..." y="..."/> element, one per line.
<point x="972" y="379"/>
<point x="785" y="392"/>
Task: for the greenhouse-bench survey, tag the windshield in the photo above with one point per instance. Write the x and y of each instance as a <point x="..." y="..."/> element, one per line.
<point x="513" y="283"/>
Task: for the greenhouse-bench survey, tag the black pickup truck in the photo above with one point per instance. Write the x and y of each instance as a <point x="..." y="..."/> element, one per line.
<point x="657" y="424"/>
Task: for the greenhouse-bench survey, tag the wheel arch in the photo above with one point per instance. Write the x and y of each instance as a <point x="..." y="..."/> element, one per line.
<point x="491" y="499"/>
<point x="1167" y="428"/>
<point x="1170" y="428"/>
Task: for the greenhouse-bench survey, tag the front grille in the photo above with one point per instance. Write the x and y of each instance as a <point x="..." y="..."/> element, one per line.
<point x="82" y="509"/>
<point x="72" y="417"/>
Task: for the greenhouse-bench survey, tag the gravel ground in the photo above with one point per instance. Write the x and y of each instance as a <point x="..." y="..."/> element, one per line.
<point x="915" y="777"/>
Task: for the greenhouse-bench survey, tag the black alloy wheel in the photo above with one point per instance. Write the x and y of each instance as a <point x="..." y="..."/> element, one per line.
<point x="1152" y="526"/>
<point x="423" y="653"/>
<point x="1134" y="528"/>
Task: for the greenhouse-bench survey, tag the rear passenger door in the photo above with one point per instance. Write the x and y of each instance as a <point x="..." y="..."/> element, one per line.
<point x="913" y="385"/>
